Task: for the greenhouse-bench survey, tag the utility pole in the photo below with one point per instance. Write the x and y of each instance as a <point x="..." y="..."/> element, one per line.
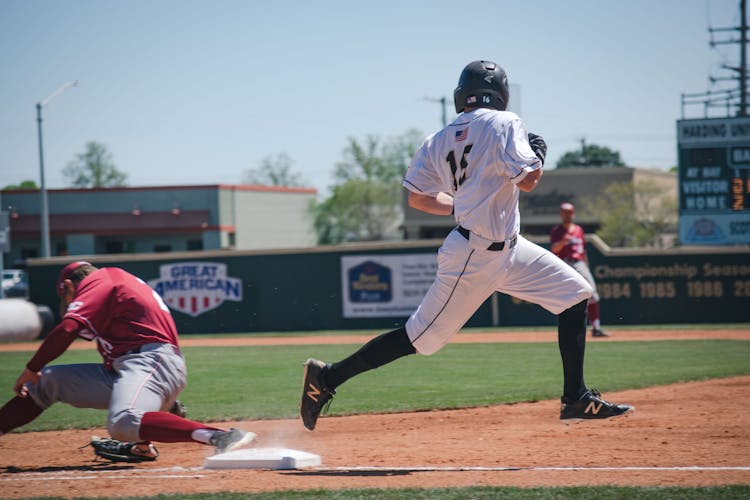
<point x="43" y="187"/>
<point x="442" y="101"/>
<point x="741" y="70"/>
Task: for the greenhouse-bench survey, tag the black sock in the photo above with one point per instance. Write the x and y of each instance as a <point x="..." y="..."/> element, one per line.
<point x="571" y="338"/>
<point x="377" y="352"/>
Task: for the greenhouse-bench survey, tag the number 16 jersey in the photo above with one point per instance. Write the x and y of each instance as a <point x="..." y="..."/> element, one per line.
<point x="478" y="159"/>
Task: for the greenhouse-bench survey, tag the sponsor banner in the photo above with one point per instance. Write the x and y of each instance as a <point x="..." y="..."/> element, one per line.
<point x="715" y="229"/>
<point x="385" y="285"/>
<point x="194" y="288"/>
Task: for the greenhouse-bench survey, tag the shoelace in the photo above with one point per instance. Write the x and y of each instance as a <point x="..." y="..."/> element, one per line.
<point x="598" y="395"/>
<point x="326" y="405"/>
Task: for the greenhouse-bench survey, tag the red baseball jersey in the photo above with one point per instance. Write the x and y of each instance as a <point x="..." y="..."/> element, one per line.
<point x="121" y="312"/>
<point x="575" y="248"/>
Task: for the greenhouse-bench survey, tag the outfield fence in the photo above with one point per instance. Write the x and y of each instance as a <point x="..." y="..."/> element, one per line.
<point x="377" y="285"/>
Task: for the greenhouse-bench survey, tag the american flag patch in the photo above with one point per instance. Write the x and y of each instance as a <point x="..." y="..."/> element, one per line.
<point x="461" y="135"/>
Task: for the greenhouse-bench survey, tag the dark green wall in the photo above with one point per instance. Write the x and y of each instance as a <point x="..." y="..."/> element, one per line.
<point x="297" y="291"/>
<point x="712" y="286"/>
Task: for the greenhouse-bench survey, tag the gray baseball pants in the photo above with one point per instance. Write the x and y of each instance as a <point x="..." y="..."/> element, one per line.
<point x="140" y="382"/>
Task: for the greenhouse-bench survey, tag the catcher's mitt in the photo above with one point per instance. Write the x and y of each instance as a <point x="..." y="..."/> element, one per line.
<point x="118" y="451"/>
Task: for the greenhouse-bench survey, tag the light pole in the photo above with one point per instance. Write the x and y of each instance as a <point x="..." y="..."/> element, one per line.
<point x="43" y="188"/>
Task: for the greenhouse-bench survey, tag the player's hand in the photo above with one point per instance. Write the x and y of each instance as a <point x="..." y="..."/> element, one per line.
<point x="538" y="146"/>
<point x="26" y="376"/>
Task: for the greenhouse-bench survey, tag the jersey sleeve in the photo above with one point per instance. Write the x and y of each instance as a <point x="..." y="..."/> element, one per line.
<point x="517" y="157"/>
<point x="556" y="234"/>
<point x="423" y="176"/>
<point x="91" y="305"/>
<point x="56" y="343"/>
<point x="583" y="243"/>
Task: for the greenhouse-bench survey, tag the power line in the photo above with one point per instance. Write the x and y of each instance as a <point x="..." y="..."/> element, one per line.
<point x="730" y="99"/>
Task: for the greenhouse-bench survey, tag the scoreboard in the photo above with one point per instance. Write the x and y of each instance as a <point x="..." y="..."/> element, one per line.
<point x="714" y="181"/>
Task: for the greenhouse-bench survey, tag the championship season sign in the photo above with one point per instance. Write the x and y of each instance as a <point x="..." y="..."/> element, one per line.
<point x="194" y="288"/>
<point x="714" y="162"/>
<point x="385" y="285"/>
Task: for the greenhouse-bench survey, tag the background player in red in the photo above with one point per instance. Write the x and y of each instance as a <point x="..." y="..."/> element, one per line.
<point x="142" y="374"/>
<point x="568" y="242"/>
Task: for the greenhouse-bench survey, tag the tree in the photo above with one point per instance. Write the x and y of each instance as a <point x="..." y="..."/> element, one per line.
<point x="590" y="155"/>
<point x="94" y="169"/>
<point x="274" y="171"/>
<point x="28" y="184"/>
<point x="365" y="201"/>
<point x="634" y="215"/>
<point x="357" y="210"/>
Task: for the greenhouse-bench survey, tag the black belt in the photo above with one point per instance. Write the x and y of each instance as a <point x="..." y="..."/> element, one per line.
<point x="494" y="247"/>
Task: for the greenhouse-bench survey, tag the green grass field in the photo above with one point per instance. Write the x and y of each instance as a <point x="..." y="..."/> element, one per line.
<point x="238" y="383"/>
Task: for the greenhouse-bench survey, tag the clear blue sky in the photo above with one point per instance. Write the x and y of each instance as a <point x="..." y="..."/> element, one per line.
<point x="194" y="92"/>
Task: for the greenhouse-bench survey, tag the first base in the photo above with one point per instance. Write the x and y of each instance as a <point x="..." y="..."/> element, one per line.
<point x="262" y="458"/>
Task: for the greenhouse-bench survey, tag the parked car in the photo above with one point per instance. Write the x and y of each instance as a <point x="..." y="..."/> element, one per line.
<point x="15" y="283"/>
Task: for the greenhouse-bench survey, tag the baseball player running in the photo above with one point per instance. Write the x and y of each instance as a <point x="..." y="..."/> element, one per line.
<point x="475" y="169"/>
<point x="568" y="242"/>
<point x="141" y="376"/>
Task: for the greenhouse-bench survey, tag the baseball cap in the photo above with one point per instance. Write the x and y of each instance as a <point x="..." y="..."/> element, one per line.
<point x="66" y="272"/>
<point x="568" y="206"/>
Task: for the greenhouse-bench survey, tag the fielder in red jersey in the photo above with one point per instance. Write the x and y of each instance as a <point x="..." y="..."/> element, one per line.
<point x="567" y="241"/>
<point x="142" y="373"/>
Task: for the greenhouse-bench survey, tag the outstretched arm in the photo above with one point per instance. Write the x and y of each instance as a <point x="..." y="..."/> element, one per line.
<point x="26" y="376"/>
<point x="53" y="346"/>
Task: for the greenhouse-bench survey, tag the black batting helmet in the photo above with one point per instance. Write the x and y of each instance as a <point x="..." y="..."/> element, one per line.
<point x="482" y="84"/>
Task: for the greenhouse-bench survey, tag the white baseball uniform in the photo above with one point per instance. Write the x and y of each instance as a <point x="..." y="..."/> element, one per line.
<point x="479" y="159"/>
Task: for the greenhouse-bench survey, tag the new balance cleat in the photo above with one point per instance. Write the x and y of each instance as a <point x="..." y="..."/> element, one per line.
<point x="118" y="451"/>
<point x="233" y="439"/>
<point x="591" y="406"/>
<point x="315" y="395"/>
<point x="598" y="332"/>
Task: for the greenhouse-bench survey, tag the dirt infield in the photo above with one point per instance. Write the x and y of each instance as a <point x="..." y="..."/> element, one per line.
<point x="691" y="434"/>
